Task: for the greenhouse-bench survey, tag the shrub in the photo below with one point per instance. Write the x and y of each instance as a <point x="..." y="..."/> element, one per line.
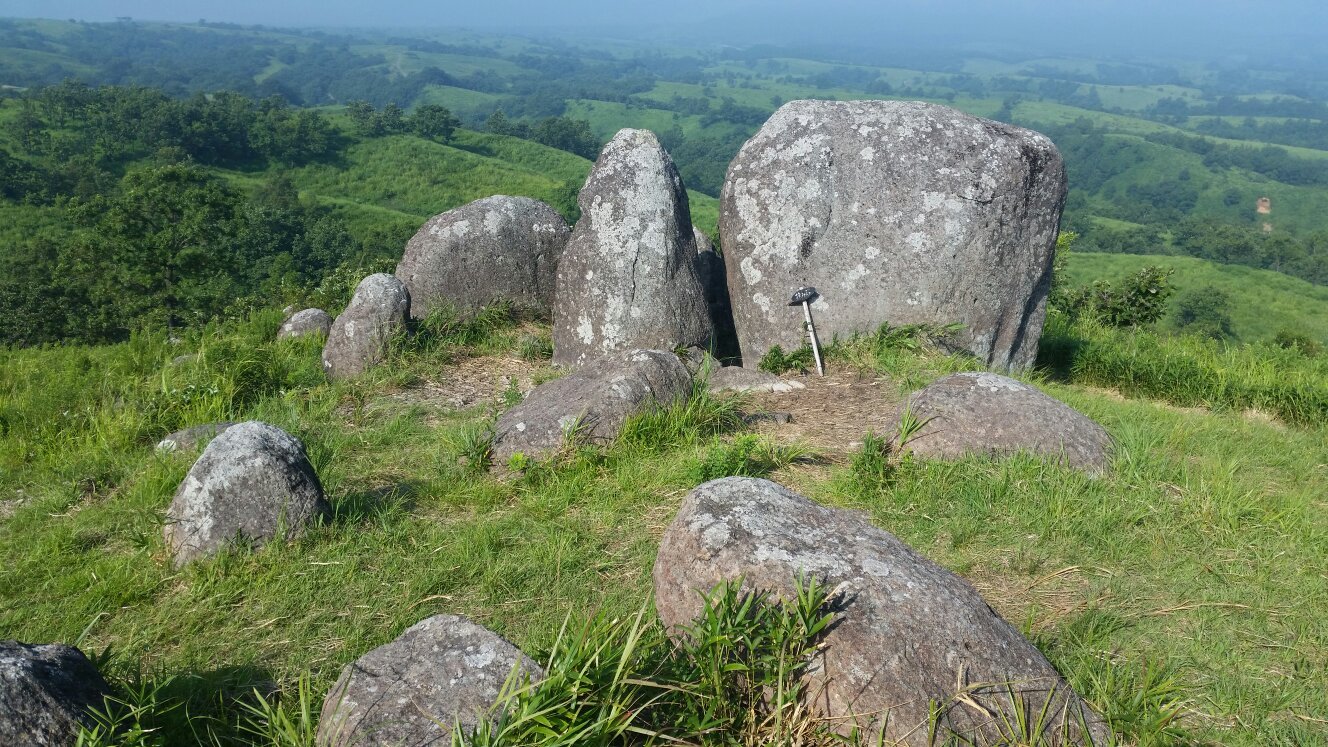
<point x="1134" y="301"/>
<point x="1205" y="311"/>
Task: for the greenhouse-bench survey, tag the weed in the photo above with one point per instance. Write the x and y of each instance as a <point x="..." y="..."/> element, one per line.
<point x="747" y="455"/>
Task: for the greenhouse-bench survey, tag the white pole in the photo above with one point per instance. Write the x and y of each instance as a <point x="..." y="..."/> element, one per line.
<point x="811" y="332"/>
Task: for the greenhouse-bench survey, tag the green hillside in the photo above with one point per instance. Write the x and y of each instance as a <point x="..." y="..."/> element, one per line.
<point x="1262" y="302"/>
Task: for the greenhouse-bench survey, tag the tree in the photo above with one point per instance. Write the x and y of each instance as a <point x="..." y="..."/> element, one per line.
<point x="1205" y="311"/>
<point x="391" y="120"/>
<point x="572" y="135"/>
<point x="156" y="254"/>
<point x="434" y="122"/>
<point x="365" y="119"/>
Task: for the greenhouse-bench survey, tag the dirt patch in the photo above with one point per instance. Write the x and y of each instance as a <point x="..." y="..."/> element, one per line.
<point x="833" y="412"/>
<point x="482" y="380"/>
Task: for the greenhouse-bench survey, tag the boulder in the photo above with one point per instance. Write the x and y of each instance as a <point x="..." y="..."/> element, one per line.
<point x="46" y="694"/>
<point x="896" y="211"/>
<point x="253" y="482"/>
<point x="739" y="379"/>
<point x="715" y="287"/>
<point x="358" y="339"/>
<point x="590" y="404"/>
<point x="306" y="322"/>
<point x="443" y="671"/>
<point x="627" y="278"/>
<point x="989" y="414"/>
<point x="907" y="631"/>
<point x="191" y="438"/>
<point x="499" y="248"/>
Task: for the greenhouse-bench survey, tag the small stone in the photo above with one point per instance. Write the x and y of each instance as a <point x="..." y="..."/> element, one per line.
<point x="47" y="692"/>
<point x="739" y="379"/>
<point x="191" y="438"/>
<point x="989" y="414"/>
<point x="442" y="671"/>
<point x="359" y="336"/>
<point x="253" y="482"/>
<point x="306" y="322"/>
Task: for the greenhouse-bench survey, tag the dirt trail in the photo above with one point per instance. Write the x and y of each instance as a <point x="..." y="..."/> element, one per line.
<point x="833" y="412"/>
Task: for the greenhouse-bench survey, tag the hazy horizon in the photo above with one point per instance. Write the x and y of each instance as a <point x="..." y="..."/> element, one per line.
<point x="1215" y="29"/>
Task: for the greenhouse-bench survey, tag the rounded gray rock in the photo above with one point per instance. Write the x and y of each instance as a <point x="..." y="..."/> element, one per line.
<point x="189" y="439"/>
<point x="46" y="693"/>
<point x="255" y="482"/>
<point x="306" y="322"/>
<point x="896" y="211"/>
<point x="499" y="248"/>
<point x="907" y="631"/>
<point x="590" y="404"/>
<point x="989" y="414"/>
<point x="442" y="671"/>
<point x="359" y="336"/>
<point x="627" y="278"/>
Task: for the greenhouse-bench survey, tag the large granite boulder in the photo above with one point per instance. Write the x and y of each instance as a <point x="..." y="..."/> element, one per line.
<point x="46" y="694"/>
<point x="989" y="414"/>
<point x="590" y="404"/>
<point x="189" y="439"/>
<point x="627" y="278"/>
<point x="441" y="672"/>
<point x="306" y="322"/>
<point x="499" y="248"/>
<point x="908" y="632"/>
<point x="896" y="211"/>
<point x="253" y="482"/>
<point x="359" y="337"/>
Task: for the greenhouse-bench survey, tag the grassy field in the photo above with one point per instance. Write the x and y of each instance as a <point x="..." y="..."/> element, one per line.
<point x="1262" y="302"/>
<point x="1194" y="564"/>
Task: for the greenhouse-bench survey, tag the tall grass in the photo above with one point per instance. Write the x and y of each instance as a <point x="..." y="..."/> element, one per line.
<point x="1189" y="371"/>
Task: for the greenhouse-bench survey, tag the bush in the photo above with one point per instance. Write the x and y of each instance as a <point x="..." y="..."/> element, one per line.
<point x="1134" y="301"/>
<point x="1205" y="311"/>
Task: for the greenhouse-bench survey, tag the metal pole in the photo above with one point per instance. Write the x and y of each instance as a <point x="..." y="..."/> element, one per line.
<point x="811" y="332"/>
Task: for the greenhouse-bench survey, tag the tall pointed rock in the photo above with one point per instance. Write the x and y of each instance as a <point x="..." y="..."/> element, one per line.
<point x="626" y="279"/>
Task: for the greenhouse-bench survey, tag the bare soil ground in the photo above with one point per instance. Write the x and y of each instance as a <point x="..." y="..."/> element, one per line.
<point x="833" y="412"/>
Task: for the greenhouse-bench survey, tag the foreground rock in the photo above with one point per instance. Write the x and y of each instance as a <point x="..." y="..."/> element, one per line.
<point x="626" y="279"/>
<point x="988" y="414"/>
<point x="358" y="339"/>
<point x="253" y="482"/>
<point x="590" y="405"/>
<point x="739" y="379"/>
<point x="46" y="694"/>
<point x="191" y="438"/>
<point x="442" y="671"/>
<point x="496" y="249"/>
<point x="909" y="632"/>
<point x="899" y="212"/>
<point x="306" y="322"/>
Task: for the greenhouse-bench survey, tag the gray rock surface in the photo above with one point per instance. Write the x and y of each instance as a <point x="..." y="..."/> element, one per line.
<point x="189" y="439"/>
<point x="739" y="379"/>
<point x="359" y="337"/>
<point x="306" y="322"/>
<point x="498" y="248"/>
<point x="908" y="631"/>
<point x="896" y="211"/>
<point x="46" y="691"/>
<point x="593" y="401"/>
<point x="627" y="278"/>
<point x="255" y="482"/>
<point x="990" y="414"/>
<point x="410" y="692"/>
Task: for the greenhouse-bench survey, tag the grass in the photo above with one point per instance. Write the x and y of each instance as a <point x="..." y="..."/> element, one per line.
<point x="1262" y="302"/>
<point x="1192" y="566"/>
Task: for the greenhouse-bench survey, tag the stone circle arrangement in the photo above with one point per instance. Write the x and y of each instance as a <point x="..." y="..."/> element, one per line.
<point x="899" y="212"/>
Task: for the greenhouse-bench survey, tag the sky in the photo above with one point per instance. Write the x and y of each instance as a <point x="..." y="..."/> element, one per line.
<point x="1153" y="27"/>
